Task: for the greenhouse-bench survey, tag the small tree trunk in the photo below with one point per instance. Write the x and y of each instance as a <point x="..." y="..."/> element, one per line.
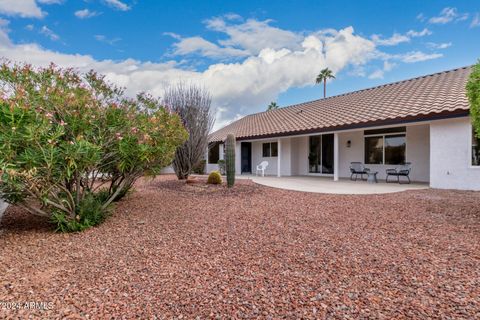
<point x="324" y="88"/>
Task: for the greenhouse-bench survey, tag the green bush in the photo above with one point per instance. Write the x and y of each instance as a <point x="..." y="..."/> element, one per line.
<point x="90" y="212"/>
<point x="199" y="168"/>
<point x="61" y="132"/>
<point x="473" y="94"/>
<point x="214" y="178"/>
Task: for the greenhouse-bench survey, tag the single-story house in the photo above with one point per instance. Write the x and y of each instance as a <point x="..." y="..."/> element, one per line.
<point x="424" y="121"/>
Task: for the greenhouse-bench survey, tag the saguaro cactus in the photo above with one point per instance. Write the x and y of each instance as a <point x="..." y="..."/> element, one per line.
<point x="230" y="159"/>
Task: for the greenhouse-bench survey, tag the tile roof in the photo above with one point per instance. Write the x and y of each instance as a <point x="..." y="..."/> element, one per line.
<point x="419" y="98"/>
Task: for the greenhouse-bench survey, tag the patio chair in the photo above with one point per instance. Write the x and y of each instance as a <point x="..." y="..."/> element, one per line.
<point x="357" y="168"/>
<point x="402" y="171"/>
<point x="261" y="167"/>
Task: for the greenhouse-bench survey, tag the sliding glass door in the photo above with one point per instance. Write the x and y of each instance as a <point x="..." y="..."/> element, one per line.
<point x="320" y="158"/>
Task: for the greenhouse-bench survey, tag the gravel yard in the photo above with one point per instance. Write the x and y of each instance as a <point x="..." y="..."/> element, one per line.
<point x="177" y="250"/>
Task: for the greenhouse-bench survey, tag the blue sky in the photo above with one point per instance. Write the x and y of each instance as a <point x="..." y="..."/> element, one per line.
<point x="247" y="53"/>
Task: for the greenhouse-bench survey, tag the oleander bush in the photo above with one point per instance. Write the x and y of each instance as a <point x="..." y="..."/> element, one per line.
<point x="473" y="94"/>
<point x="72" y="143"/>
<point x="214" y="178"/>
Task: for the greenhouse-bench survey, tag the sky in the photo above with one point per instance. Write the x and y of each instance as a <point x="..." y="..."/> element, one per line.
<point x="246" y="53"/>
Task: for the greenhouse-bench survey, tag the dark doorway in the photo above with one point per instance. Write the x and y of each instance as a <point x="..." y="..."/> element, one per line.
<point x="246" y="156"/>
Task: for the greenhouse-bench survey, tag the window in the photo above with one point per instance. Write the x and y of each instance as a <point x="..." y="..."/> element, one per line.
<point x="213" y="152"/>
<point x="385" y="149"/>
<point x="270" y="149"/>
<point x="374" y="150"/>
<point x="475" y="149"/>
<point x="395" y="149"/>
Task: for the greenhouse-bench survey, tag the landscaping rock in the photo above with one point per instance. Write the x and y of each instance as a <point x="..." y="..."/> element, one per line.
<point x="177" y="250"/>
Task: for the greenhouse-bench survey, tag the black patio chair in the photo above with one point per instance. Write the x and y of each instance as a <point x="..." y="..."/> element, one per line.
<point x="357" y="168"/>
<point x="402" y="171"/>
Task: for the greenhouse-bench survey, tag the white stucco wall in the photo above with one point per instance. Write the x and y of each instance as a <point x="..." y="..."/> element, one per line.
<point x="417" y="153"/>
<point x="257" y="157"/>
<point x="299" y="161"/>
<point x="450" y="155"/>
<point x="286" y="157"/>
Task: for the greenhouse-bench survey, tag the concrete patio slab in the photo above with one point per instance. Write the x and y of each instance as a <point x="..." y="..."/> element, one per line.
<point x="327" y="185"/>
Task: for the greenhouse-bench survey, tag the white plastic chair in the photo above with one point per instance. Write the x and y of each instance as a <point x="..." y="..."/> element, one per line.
<point x="261" y="167"/>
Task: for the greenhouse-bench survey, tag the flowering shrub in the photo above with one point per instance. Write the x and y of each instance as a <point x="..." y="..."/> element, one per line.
<point x="67" y="137"/>
<point x="473" y="94"/>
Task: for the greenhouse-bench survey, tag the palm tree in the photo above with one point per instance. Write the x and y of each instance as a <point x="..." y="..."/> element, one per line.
<point x="323" y="76"/>
<point x="272" y="106"/>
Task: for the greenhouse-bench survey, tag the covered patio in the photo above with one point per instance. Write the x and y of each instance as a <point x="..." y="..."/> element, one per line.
<point x="328" y="186"/>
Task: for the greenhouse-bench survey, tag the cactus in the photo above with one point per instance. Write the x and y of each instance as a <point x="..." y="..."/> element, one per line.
<point x="230" y="159"/>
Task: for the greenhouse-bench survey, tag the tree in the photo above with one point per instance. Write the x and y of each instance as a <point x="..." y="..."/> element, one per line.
<point x="323" y="76"/>
<point x="192" y="104"/>
<point x="71" y="143"/>
<point x="272" y="106"/>
<point x="473" y="94"/>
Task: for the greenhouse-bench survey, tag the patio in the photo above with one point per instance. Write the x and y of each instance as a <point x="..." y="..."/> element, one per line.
<point x="327" y="185"/>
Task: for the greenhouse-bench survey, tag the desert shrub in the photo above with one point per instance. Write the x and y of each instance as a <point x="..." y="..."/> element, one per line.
<point x="61" y="132"/>
<point x="199" y="168"/>
<point x="214" y="178"/>
<point x="192" y="104"/>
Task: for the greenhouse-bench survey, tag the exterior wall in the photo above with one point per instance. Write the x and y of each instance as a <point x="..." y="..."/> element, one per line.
<point x="286" y="157"/>
<point x="257" y="157"/>
<point x="417" y="153"/>
<point x="450" y="155"/>
<point x="299" y="160"/>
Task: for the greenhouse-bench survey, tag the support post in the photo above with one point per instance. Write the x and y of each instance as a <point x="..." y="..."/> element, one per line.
<point x="279" y="156"/>
<point x="335" y="157"/>
<point x="221" y="152"/>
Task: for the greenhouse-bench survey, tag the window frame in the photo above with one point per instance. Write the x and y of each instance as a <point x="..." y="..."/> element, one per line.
<point x="399" y="133"/>
<point x="270" y="149"/>
<point x="470" y="158"/>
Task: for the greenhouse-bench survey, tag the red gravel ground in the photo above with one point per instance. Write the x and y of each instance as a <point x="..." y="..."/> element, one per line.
<point x="173" y="250"/>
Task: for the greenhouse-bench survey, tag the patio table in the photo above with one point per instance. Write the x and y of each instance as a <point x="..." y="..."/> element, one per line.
<point x="372" y="177"/>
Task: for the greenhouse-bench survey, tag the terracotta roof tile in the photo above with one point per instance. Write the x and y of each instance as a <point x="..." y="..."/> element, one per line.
<point x="425" y="96"/>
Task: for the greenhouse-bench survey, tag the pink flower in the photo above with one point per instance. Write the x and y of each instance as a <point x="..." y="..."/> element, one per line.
<point x="62" y="123"/>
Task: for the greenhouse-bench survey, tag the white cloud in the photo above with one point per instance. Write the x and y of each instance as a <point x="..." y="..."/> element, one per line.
<point x="205" y="48"/>
<point x="448" y="15"/>
<point x="379" y="73"/>
<point x="117" y="4"/>
<point x="104" y="39"/>
<point x="49" y="33"/>
<point x="414" y="34"/>
<point x="29" y="27"/>
<point x="22" y="8"/>
<point x="50" y="1"/>
<point x="398" y="38"/>
<point x="421" y="17"/>
<point x="434" y="45"/>
<point x="417" y="56"/>
<point x="85" y="14"/>
<point x="475" y="21"/>
<point x="254" y="36"/>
